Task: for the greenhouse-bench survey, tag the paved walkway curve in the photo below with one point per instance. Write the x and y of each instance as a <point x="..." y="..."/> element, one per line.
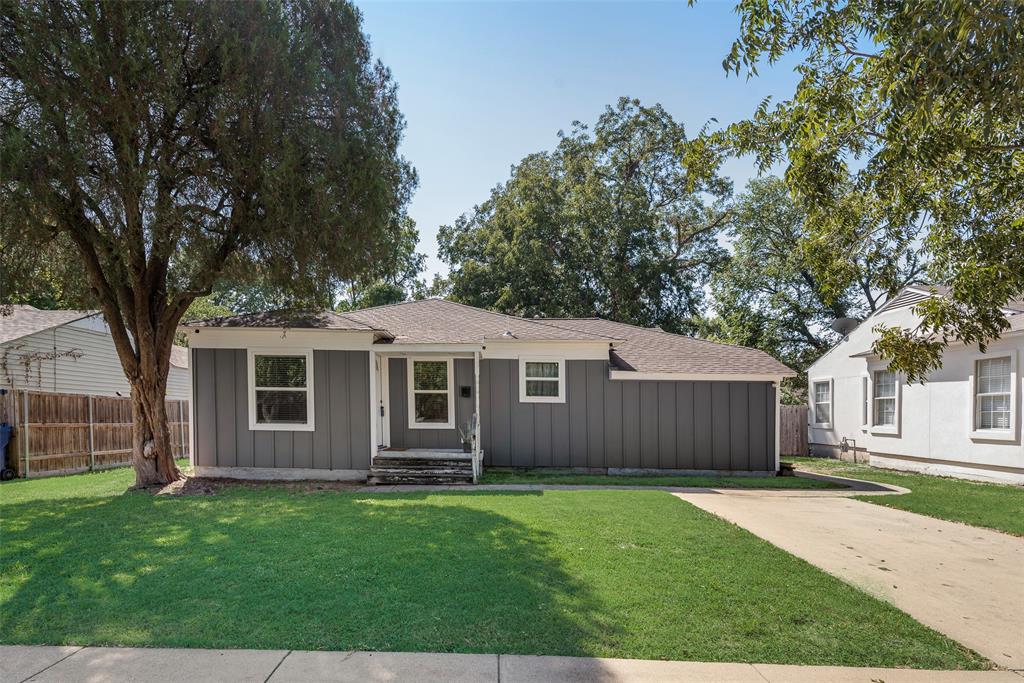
<point x="854" y="487"/>
<point x="47" y="664"/>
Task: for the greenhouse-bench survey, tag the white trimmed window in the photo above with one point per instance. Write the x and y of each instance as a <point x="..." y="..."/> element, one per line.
<point x="431" y="399"/>
<point x="883" y="399"/>
<point x="865" y="402"/>
<point x="281" y="390"/>
<point x="822" y="393"/>
<point x="541" y="380"/>
<point x="992" y="393"/>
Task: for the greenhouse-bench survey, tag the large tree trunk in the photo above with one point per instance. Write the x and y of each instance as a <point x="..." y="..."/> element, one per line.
<point x="152" y="456"/>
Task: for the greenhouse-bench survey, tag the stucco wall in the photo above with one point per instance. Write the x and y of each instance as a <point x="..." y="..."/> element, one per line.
<point x="935" y="418"/>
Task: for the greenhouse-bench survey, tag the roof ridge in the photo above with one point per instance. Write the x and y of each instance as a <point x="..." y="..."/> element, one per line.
<point x="658" y="330"/>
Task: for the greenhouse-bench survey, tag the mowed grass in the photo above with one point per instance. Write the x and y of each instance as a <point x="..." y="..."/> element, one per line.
<point x="549" y="477"/>
<point x="602" y="573"/>
<point x="995" y="506"/>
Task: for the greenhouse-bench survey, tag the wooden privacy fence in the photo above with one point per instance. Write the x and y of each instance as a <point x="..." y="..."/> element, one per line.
<point x="65" y="433"/>
<point x="793" y="430"/>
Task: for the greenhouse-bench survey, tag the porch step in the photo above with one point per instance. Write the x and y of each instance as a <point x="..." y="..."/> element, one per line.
<point x="408" y="479"/>
<point x="421" y="466"/>
<point x="386" y="461"/>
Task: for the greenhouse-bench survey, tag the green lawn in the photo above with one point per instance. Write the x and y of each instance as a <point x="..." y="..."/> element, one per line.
<point x="996" y="506"/>
<point x="549" y="477"/>
<point x="605" y="573"/>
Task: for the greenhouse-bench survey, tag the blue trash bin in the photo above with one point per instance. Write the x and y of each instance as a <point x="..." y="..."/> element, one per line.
<point x="5" y="438"/>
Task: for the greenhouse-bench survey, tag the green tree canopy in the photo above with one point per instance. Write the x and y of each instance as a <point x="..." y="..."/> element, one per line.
<point x="176" y="144"/>
<point x="922" y="101"/>
<point x="618" y="222"/>
<point x="768" y="294"/>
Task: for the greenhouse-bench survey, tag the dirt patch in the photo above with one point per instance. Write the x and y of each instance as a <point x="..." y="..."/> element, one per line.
<point x="203" y="486"/>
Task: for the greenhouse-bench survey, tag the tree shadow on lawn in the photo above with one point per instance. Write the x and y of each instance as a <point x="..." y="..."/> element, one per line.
<point x="279" y="570"/>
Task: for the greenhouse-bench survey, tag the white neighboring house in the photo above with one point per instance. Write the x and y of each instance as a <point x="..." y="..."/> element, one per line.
<point x="71" y="352"/>
<point x="965" y="421"/>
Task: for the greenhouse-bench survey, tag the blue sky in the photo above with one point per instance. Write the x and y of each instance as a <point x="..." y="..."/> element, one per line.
<point x="483" y="84"/>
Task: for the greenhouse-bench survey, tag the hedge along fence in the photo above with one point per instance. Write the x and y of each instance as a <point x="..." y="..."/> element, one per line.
<point x="67" y="433"/>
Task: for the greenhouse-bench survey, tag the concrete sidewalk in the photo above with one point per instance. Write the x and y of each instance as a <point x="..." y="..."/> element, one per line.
<point x="104" y="664"/>
<point x="963" y="581"/>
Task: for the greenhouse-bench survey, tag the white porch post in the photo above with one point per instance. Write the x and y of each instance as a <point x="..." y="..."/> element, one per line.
<point x="374" y="405"/>
<point x="477" y="462"/>
<point x="778" y="421"/>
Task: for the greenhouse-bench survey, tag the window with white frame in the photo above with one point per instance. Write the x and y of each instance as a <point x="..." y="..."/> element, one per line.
<point x="883" y="395"/>
<point x="541" y="380"/>
<point x="431" y="404"/>
<point x="822" y="402"/>
<point x="865" y="402"/>
<point x="281" y="390"/>
<point x="992" y="386"/>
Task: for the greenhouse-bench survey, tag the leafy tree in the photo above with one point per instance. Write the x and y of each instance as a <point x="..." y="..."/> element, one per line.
<point x="620" y="222"/>
<point x="178" y="144"/>
<point x="392" y="277"/>
<point x="769" y="296"/>
<point x="924" y="100"/>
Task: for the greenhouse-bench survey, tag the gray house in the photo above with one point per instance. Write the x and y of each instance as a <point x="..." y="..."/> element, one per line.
<point x="395" y="392"/>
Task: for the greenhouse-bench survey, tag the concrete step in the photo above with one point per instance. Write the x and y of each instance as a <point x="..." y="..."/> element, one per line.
<point x="386" y="479"/>
<point x="420" y="464"/>
<point x="435" y="472"/>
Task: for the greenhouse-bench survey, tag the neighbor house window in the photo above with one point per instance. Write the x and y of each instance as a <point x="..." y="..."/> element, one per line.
<point x="992" y="393"/>
<point x="823" y="402"/>
<point x="884" y="399"/>
<point x="281" y="390"/>
<point x="541" y="380"/>
<point x="865" y="402"/>
<point x="431" y="405"/>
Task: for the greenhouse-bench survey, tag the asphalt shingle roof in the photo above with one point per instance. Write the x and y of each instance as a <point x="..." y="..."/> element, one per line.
<point x="653" y="350"/>
<point x="437" y="321"/>
<point x="294" y="319"/>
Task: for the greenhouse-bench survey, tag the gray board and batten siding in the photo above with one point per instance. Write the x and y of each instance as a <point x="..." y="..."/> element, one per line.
<point x="398" y="400"/>
<point x="341" y="405"/>
<point x="604" y="423"/>
<point x="631" y="424"/>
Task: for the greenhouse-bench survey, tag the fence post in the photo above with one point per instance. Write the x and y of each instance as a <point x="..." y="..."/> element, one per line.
<point x="181" y="424"/>
<point x="92" y="441"/>
<point x="24" y="397"/>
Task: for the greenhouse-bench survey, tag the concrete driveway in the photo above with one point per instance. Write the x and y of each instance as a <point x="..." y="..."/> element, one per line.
<point x="963" y="581"/>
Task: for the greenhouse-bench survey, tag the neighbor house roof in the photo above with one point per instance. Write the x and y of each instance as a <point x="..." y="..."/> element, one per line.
<point x="438" y="321"/>
<point x="26" y="320"/>
<point x="651" y="350"/>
